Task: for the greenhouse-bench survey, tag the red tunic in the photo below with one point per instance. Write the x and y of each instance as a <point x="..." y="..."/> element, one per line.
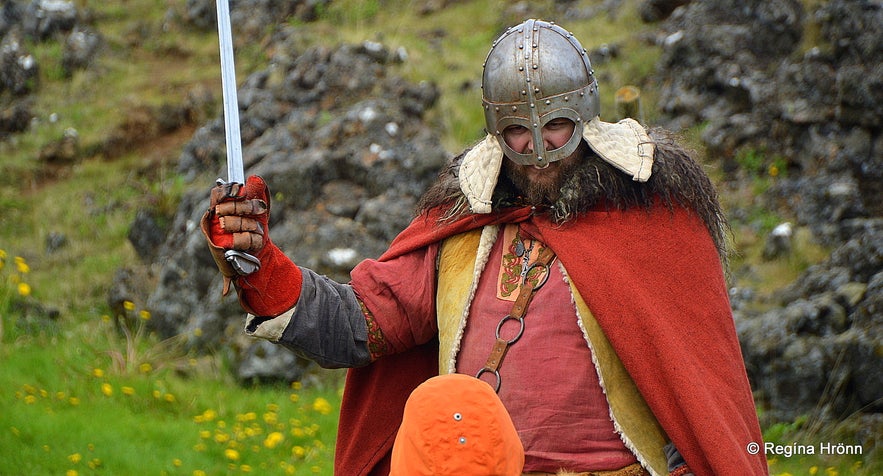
<point x="549" y="386"/>
<point x="654" y="283"/>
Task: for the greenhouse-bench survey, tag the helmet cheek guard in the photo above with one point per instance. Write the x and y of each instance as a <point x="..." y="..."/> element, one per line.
<point x="535" y="73"/>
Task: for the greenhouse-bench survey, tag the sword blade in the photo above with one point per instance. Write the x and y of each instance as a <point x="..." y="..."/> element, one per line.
<point x="235" y="168"/>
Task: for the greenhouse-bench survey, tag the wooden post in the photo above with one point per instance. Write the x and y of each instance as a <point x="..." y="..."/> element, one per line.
<point x="628" y="103"/>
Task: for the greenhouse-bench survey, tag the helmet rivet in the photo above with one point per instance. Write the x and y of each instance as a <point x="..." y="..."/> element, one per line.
<point x="523" y="92"/>
<point x="548" y="102"/>
<point x="497" y="109"/>
<point x="534" y="45"/>
<point x="521" y="68"/>
<point x="515" y="108"/>
<point x="535" y="66"/>
<point x="566" y="98"/>
<point x="520" y="47"/>
<point x="532" y="105"/>
<point x="536" y="90"/>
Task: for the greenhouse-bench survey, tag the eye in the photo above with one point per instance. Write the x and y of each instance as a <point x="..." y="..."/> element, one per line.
<point x="560" y="123"/>
<point x="515" y="130"/>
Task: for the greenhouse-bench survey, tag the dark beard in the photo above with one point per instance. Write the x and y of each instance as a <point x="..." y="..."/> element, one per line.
<point x="544" y="191"/>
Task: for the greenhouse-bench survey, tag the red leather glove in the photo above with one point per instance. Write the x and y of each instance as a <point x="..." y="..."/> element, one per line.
<point x="238" y="219"/>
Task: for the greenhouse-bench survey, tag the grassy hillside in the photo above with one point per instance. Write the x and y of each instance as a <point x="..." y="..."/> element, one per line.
<point x="78" y="397"/>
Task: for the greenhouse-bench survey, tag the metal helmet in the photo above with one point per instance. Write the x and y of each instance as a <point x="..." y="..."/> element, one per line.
<point x="534" y="73"/>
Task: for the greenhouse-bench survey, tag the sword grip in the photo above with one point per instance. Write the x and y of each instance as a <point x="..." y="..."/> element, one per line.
<point x="243" y="263"/>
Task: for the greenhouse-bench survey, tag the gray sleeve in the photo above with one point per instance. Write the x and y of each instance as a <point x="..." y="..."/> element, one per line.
<point x="327" y="324"/>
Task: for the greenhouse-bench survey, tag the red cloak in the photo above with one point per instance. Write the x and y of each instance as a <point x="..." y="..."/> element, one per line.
<point x="654" y="282"/>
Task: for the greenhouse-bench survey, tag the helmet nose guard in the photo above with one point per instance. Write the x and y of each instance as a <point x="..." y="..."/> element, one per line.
<point x="534" y="73"/>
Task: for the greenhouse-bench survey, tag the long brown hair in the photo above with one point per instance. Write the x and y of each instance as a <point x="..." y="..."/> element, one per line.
<point x="676" y="179"/>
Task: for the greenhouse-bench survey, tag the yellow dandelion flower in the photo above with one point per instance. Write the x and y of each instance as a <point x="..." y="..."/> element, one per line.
<point x="94" y="463"/>
<point x="209" y="414"/>
<point x="97" y="373"/>
<point x="270" y="418"/>
<point x="60" y="395"/>
<point x="198" y="472"/>
<point x="145" y="368"/>
<point x="21" y="265"/>
<point x="75" y="458"/>
<point x="128" y="391"/>
<point x="144" y="315"/>
<point x="199" y="447"/>
<point x="813" y="470"/>
<point x="298" y="432"/>
<point x="177" y="463"/>
<point x="169" y="398"/>
<point x="105" y="318"/>
<point x="231" y="454"/>
<point x="197" y="332"/>
<point x="205" y="434"/>
<point x="71" y="472"/>
<point x="273" y="439"/>
<point x="222" y="438"/>
<point x="2" y="253"/>
<point x="315" y="469"/>
<point x="273" y="407"/>
<point x="30" y="399"/>
<point x="298" y="451"/>
<point x="322" y="406"/>
<point x="296" y="385"/>
<point x="245" y="468"/>
<point x="107" y="389"/>
<point x="24" y="289"/>
<point x="74" y="401"/>
<point x="129" y="306"/>
<point x="294" y="397"/>
<point x="831" y="471"/>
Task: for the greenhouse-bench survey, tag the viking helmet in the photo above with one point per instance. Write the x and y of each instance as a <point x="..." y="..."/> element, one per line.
<point x="534" y="73"/>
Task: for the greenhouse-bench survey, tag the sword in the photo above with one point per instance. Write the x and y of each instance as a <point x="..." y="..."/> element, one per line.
<point x="243" y="263"/>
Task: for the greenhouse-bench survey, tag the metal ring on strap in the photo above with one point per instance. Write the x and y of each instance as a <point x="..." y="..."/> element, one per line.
<point x="496" y="376"/>
<point x="500" y="328"/>
<point x="546" y="274"/>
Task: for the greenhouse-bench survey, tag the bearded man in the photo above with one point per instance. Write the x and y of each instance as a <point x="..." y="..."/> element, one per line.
<point x="574" y="265"/>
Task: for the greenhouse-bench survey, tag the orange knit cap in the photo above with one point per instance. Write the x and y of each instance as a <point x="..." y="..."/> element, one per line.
<point x="455" y="424"/>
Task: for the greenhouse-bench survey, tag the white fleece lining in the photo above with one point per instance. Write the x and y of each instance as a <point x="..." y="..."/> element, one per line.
<point x="485" y="244"/>
<point x="270" y="329"/>
<point x="616" y="426"/>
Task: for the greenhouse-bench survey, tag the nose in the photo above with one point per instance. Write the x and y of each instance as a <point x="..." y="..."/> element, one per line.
<point x="547" y="141"/>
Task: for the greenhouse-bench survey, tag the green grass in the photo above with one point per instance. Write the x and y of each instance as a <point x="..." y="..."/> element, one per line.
<point x="82" y="400"/>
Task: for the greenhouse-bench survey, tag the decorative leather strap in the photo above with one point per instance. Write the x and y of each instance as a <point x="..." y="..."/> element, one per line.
<point x="525" y="294"/>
